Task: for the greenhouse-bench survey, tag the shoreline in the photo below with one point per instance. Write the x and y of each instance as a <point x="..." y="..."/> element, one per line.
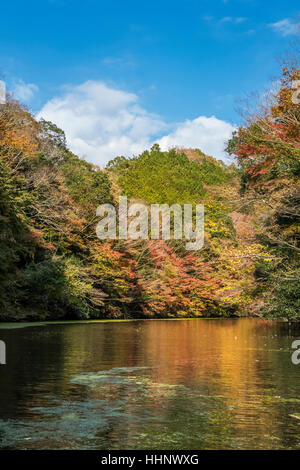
<point x="20" y="324"/>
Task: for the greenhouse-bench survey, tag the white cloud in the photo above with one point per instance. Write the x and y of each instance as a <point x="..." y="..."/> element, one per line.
<point x="101" y="122"/>
<point x="286" y="27"/>
<point x="24" y="91"/>
<point x="225" y="19"/>
<point x="206" y="133"/>
<point x="240" y="19"/>
<point x="118" y="61"/>
<point x="231" y="19"/>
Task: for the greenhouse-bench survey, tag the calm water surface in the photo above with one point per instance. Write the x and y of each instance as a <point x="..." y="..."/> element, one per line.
<point x="189" y="384"/>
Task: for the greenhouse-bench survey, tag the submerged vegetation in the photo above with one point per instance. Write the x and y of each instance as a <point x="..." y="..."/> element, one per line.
<point x="52" y="264"/>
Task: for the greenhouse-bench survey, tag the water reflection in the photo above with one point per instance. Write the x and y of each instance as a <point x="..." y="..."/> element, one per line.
<point x="190" y="384"/>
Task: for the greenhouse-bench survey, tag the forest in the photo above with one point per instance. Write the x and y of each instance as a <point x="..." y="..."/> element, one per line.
<point x="53" y="266"/>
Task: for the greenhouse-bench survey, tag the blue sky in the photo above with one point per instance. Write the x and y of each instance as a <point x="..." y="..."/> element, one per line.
<point x="169" y="63"/>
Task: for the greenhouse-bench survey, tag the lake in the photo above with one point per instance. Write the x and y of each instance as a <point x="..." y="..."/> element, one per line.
<point x="150" y="384"/>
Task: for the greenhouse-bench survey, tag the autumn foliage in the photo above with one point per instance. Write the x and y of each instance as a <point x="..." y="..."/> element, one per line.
<point x="268" y="152"/>
<point x="52" y="265"/>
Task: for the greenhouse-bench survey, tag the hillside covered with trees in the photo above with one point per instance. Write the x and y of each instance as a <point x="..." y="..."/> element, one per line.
<point x="53" y="266"/>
